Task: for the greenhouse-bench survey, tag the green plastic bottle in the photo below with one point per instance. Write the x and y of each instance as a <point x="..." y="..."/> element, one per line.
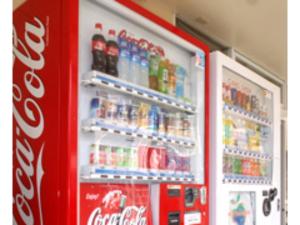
<point x="163" y="76"/>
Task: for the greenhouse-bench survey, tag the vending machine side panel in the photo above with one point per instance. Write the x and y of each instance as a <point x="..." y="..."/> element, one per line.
<point x="44" y="112"/>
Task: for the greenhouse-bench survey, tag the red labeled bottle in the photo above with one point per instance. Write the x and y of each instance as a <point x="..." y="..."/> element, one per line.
<point x="112" y="54"/>
<point x="99" y="49"/>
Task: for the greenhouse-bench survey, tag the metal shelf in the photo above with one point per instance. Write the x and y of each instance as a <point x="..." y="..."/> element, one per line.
<point x="98" y="79"/>
<point x="94" y="174"/>
<point x="241" y="179"/>
<point x="94" y="125"/>
<point x="246" y="153"/>
<point x="233" y="110"/>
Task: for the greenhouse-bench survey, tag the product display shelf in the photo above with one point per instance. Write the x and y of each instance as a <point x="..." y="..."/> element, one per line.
<point x="246" y="153"/>
<point x="99" y="79"/>
<point x="96" y="174"/>
<point x="95" y="125"/>
<point x="242" y="179"/>
<point x="238" y="112"/>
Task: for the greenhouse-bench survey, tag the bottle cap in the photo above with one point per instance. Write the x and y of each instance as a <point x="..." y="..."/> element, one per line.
<point x="123" y="34"/>
<point x="98" y="26"/>
<point x="112" y="32"/>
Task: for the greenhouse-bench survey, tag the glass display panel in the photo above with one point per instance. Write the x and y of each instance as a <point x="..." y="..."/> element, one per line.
<point x="247" y="130"/>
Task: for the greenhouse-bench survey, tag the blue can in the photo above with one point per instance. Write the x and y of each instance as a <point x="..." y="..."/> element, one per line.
<point x="153" y="118"/>
<point x="94" y="106"/>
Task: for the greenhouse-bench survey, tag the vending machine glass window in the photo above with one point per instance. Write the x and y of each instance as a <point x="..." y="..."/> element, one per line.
<point x="247" y="128"/>
<point x="141" y="113"/>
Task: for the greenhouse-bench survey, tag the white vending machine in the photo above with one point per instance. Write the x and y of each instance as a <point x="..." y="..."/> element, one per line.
<point x="245" y="146"/>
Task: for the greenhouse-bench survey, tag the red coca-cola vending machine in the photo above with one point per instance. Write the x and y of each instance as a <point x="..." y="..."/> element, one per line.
<point x="110" y="116"/>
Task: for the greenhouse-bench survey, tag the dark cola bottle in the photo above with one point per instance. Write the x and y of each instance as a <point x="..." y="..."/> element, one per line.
<point x="112" y="54"/>
<point x="99" y="49"/>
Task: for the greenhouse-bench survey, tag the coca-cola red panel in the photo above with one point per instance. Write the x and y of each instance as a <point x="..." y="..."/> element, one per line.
<point x="115" y="204"/>
<point x="39" y="114"/>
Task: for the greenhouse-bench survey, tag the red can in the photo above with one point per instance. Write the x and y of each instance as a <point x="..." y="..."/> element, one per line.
<point x="142" y="157"/>
<point x="157" y="158"/>
<point x="246" y="167"/>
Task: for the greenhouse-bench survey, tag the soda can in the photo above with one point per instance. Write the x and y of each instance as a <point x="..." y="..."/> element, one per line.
<point x="133" y="158"/>
<point x="178" y="124"/>
<point x="186" y="165"/>
<point x="94" y="154"/>
<point x="143" y="116"/>
<point x="179" y="164"/>
<point x="111" y="109"/>
<point x="97" y="108"/>
<point x="114" y="157"/>
<point x="245" y="166"/>
<point x="263" y="168"/>
<point x="162" y="122"/>
<point x="143" y="157"/>
<point x="187" y="126"/>
<point x="233" y="95"/>
<point x="225" y="164"/>
<point x="171" y="124"/>
<point x="153" y="118"/>
<point x="163" y="159"/>
<point x="133" y="115"/>
<point x="171" y="161"/>
<point x="108" y="154"/>
<point x="126" y="161"/>
<point x="122" y="112"/>
<point x="154" y="159"/>
<point x="237" y="165"/>
<point x="120" y="157"/>
<point x="102" y="156"/>
<point x="94" y="106"/>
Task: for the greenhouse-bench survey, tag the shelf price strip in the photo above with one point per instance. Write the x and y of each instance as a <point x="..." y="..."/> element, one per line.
<point x="246" y="115"/>
<point x="116" y="130"/>
<point x="100" y="79"/>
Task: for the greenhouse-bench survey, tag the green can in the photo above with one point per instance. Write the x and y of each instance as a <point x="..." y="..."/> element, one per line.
<point x="120" y="157"/>
<point x="126" y="157"/>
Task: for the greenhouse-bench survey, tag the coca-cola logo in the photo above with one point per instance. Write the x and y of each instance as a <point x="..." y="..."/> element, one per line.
<point x="115" y="212"/>
<point x="142" y="43"/>
<point x="27" y="92"/>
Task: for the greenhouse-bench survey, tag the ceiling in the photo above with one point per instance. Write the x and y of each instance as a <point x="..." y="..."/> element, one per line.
<point x="256" y="28"/>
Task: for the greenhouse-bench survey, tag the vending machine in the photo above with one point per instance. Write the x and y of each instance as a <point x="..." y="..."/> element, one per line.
<point x="245" y="146"/>
<point x="110" y="116"/>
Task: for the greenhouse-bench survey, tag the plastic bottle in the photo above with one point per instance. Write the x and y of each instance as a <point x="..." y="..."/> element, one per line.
<point x="144" y="65"/>
<point x="180" y="77"/>
<point x="227" y="126"/>
<point x="163" y="76"/>
<point x="112" y="54"/>
<point x="134" y="62"/>
<point x="153" y="70"/>
<point x="124" y="58"/>
<point x="99" y="49"/>
<point x="172" y="80"/>
<point x="144" y="73"/>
